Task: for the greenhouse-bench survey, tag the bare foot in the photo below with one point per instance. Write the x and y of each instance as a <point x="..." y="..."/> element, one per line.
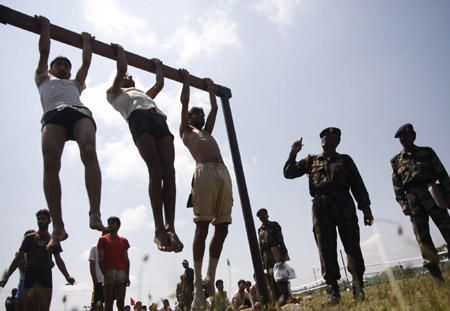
<point x="175" y="242"/>
<point x="58" y="235"/>
<point x="208" y="286"/>
<point x="162" y="241"/>
<point x="95" y="222"/>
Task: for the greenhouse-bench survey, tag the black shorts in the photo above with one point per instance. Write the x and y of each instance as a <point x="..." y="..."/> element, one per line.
<point x="150" y="121"/>
<point x="67" y="117"/>
<point x="97" y="294"/>
<point x="38" y="278"/>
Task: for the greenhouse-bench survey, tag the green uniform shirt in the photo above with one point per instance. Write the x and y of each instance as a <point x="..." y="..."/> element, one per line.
<point x="418" y="169"/>
<point x="339" y="173"/>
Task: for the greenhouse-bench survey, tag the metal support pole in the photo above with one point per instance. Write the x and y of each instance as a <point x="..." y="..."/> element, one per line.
<point x="225" y="95"/>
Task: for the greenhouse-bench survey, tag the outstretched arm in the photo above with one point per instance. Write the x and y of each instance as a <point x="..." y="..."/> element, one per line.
<point x="122" y="66"/>
<point x="14" y="265"/>
<point x="87" y="56"/>
<point x="184" y="98"/>
<point x="44" y="43"/>
<point x="211" y="120"/>
<point x="155" y="89"/>
<point x="62" y="267"/>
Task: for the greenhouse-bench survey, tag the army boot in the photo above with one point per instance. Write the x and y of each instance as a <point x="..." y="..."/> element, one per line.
<point x="435" y="271"/>
<point x="358" y="292"/>
<point x="334" y="295"/>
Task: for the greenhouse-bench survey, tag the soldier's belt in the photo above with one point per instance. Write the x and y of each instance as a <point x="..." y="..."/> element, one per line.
<point x="330" y="190"/>
<point x="417" y="186"/>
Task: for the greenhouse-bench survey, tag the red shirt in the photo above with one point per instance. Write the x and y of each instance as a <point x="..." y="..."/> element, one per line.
<point x="113" y="249"/>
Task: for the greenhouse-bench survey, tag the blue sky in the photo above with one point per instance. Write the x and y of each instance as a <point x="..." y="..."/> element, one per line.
<point x="294" y="67"/>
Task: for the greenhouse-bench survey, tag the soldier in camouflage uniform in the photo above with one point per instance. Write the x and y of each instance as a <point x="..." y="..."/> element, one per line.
<point x="331" y="176"/>
<point x="413" y="170"/>
<point x="270" y="235"/>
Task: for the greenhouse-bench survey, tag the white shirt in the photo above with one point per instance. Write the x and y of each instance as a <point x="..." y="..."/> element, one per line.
<point x="93" y="256"/>
<point x="130" y="99"/>
<point x="58" y="93"/>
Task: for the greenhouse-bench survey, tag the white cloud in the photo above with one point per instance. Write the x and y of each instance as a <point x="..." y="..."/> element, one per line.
<point x="78" y="287"/>
<point x="279" y="12"/>
<point x="135" y="219"/>
<point x="112" y="21"/>
<point x="217" y="31"/>
<point x="121" y="160"/>
<point x="94" y="97"/>
<point x="85" y="254"/>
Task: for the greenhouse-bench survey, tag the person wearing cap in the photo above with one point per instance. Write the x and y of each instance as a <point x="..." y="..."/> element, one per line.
<point x="187" y="285"/>
<point x="415" y="170"/>
<point x="273" y="250"/>
<point x="331" y="178"/>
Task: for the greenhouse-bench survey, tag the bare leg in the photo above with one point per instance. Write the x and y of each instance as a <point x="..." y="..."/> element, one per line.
<point x="53" y="140"/>
<point x="108" y="295"/>
<point x="198" y="249"/>
<point x="146" y="145"/>
<point x="215" y="249"/>
<point x="37" y="299"/>
<point x="84" y="133"/>
<point x="166" y="153"/>
<point x="120" y="296"/>
<point x="198" y="246"/>
<point x="30" y="300"/>
<point x="45" y="298"/>
<point x="216" y="245"/>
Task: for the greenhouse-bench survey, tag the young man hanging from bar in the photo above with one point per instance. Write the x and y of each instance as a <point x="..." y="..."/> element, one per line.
<point x="155" y="144"/>
<point x="66" y="118"/>
<point x="212" y="197"/>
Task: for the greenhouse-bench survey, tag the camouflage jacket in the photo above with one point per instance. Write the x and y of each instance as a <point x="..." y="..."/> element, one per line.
<point x="338" y="174"/>
<point x="419" y="169"/>
<point x="270" y="235"/>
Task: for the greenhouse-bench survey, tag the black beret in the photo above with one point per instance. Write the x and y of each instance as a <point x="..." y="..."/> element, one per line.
<point x="404" y="128"/>
<point x="262" y="210"/>
<point x="331" y="130"/>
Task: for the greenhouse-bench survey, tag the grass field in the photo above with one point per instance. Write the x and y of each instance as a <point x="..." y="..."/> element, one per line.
<point x="418" y="293"/>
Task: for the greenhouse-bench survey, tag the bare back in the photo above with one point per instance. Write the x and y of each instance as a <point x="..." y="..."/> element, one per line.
<point x="202" y="145"/>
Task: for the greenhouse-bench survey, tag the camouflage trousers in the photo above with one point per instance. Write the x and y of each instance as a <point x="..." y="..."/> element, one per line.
<point x="423" y="207"/>
<point x="331" y="211"/>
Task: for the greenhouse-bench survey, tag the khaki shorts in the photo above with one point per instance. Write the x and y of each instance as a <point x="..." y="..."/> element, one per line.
<point x="118" y="276"/>
<point x="212" y="196"/>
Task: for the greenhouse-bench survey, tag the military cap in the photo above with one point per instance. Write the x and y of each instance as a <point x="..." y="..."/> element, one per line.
<point x="185" y="261"/>
<point x="404" y="128"/>
<point x="260" y="211"/>
<point x="330" y="130"/>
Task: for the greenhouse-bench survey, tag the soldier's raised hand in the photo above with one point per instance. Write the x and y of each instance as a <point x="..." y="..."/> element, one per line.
<point x="296" y="146"/>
